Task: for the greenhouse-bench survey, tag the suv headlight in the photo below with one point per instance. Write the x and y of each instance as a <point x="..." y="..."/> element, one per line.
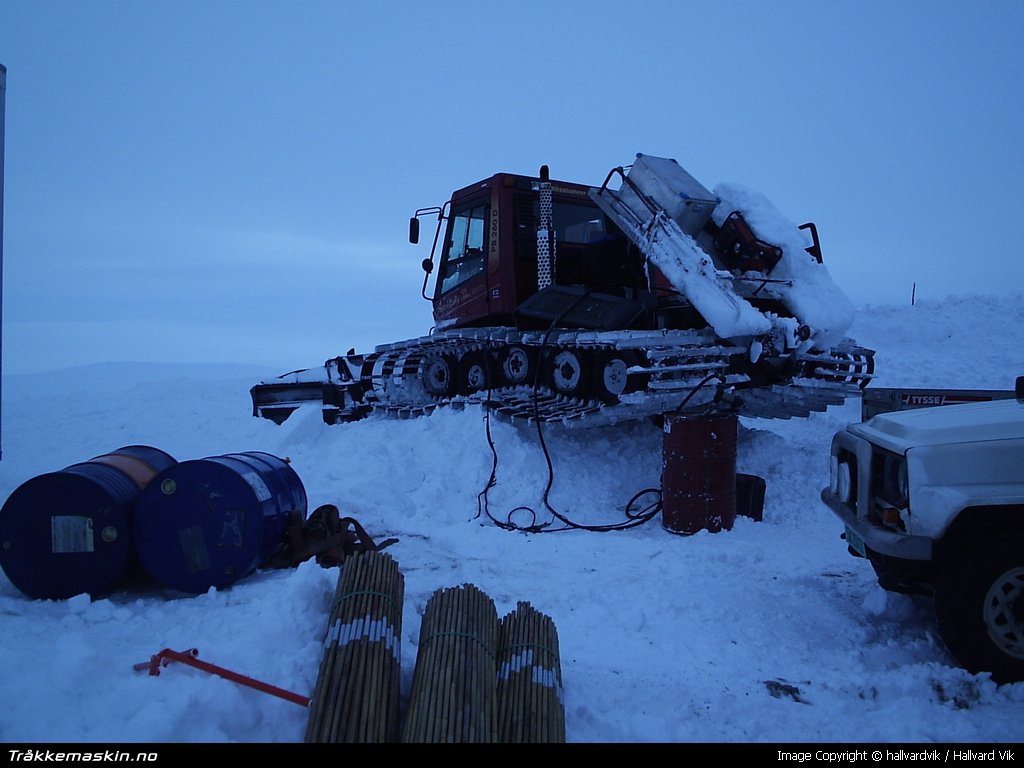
<point x="890" y="479"/>
<point x="839" y="479"/>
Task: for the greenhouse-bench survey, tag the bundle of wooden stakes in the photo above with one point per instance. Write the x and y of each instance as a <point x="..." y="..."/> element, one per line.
<point x="453" y="697"/>
<point x="530" y="707"/>
<point x="478" y="680"/>
<point x="358" y="689"/>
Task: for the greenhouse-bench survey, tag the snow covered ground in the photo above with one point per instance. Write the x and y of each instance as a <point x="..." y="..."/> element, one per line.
<point x="769" y="632"/>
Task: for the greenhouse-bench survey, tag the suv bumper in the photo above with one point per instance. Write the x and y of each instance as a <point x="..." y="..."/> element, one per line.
<point x="882" y="540"/>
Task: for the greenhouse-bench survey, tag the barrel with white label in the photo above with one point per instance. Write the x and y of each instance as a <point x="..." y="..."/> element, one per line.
<point x="210" y="522"/>
<point x="69" y="532"/>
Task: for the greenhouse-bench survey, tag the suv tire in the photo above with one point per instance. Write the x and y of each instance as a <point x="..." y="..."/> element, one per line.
<point x="979" y="606"/>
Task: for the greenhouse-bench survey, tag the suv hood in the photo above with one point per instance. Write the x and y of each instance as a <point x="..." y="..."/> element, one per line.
<point x="965" y="423"/>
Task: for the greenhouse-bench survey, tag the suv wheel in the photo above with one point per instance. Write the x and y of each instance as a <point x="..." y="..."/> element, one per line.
<point x="979" y="606"/>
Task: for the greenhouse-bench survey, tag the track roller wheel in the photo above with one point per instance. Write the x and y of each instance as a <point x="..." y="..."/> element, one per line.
<point x="610" y="376"/>
<point x="515" y="367"/>
<point x="436" y="373"/>
<point x="567" y="372"/>
<point x="474" y="373"/>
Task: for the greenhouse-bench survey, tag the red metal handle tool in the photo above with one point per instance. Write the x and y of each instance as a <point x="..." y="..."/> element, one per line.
<point x="166" y="656"/>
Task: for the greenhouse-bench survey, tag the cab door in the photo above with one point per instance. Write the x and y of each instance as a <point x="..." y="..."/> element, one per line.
<point x="461" y="291"/>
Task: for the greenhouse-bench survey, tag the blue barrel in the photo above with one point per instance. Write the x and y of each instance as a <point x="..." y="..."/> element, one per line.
<point x="69" y="532"/>
<point x="210" y="522"/>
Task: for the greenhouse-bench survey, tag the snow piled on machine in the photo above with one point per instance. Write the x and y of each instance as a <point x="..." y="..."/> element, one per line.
<point x="664" y="210"/>
<point x="692" y="272"/>
<point x="808" y="290"/>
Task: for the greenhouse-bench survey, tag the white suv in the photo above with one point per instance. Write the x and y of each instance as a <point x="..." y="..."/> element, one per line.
<point x="934" y="498"/>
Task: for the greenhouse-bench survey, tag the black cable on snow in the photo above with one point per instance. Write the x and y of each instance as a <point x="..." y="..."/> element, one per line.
<point x="633" y="519"/>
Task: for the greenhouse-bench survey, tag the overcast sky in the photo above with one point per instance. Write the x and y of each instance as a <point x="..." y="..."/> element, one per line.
<point x="231" y="181"/>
